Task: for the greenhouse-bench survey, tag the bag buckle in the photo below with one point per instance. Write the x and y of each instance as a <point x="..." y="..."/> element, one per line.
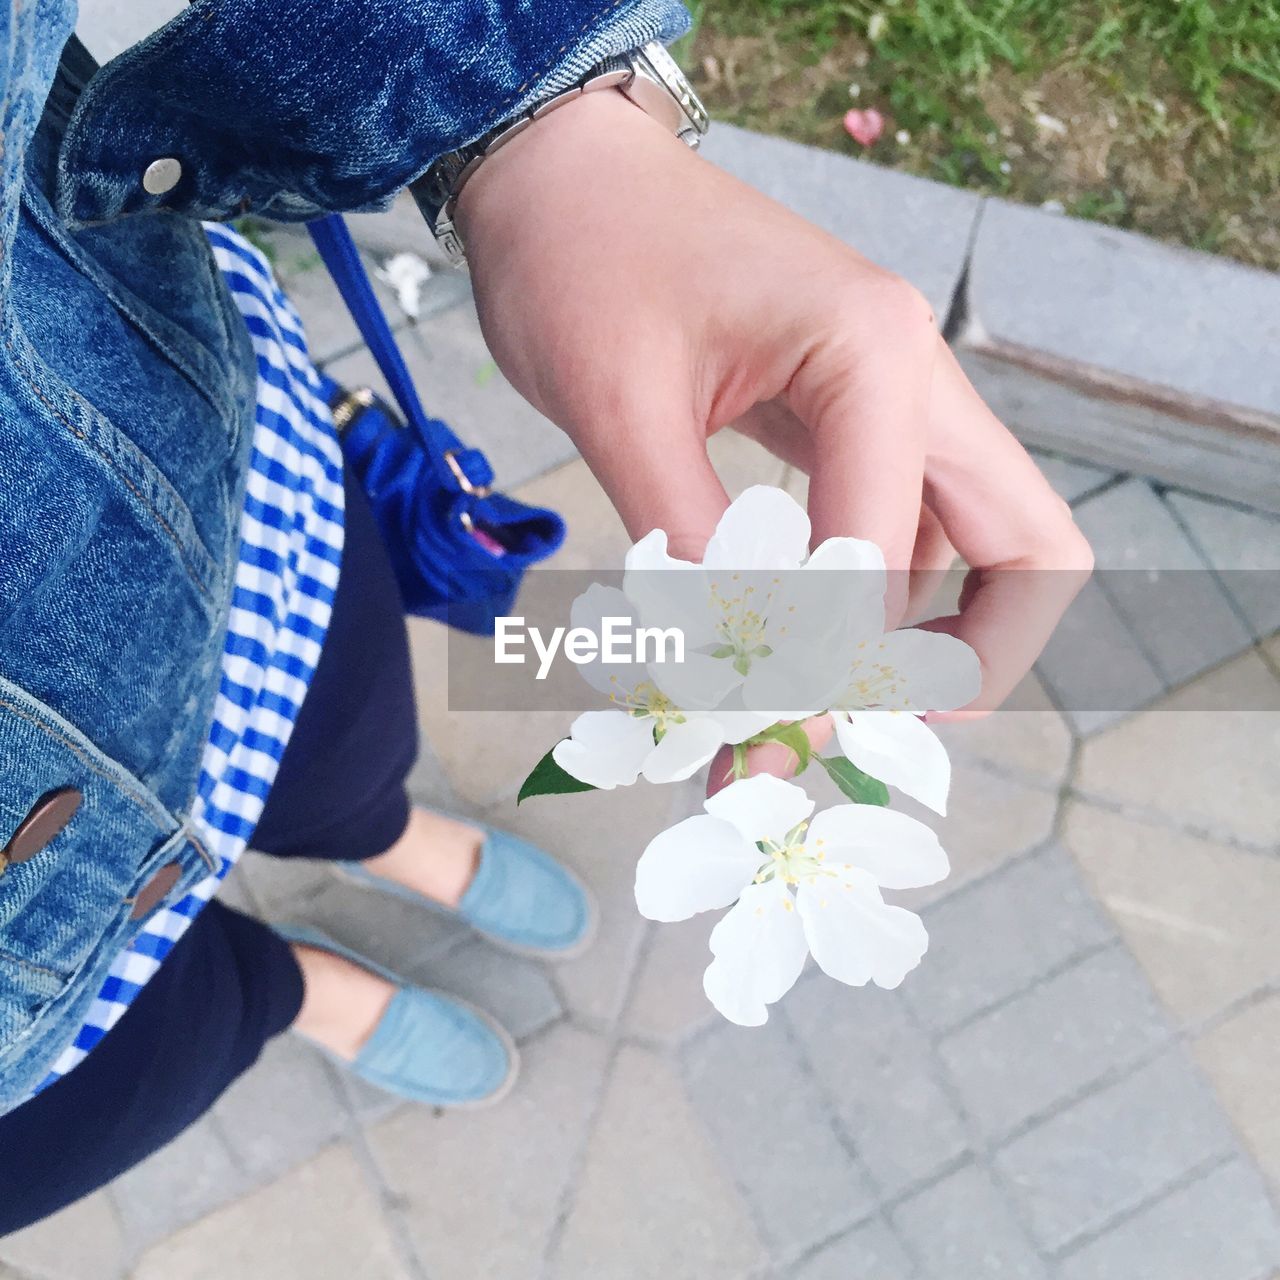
<point x="475" y="490"/>
<point x="349" y="406"/>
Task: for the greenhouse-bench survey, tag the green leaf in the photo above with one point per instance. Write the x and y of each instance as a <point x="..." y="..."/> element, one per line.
<point x="860" y="787"/>
<point x="549" y="779"/>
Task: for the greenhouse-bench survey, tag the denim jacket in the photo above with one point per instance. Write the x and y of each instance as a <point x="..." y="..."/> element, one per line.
<point x="126" y="397"/>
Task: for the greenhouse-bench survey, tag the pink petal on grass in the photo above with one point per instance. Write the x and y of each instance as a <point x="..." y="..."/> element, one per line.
<point x="863" y="126"/>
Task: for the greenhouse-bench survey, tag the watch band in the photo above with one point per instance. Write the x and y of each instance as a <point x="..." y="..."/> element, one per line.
<point x="649" y="77"/>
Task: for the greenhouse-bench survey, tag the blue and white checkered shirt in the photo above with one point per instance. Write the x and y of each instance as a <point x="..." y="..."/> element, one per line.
<point x="290" y="549"/>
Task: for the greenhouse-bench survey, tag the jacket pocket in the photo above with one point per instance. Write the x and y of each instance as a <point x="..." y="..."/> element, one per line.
<point x="66" y="897"/>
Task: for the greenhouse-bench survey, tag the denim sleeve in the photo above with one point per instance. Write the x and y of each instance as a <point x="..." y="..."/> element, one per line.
<point x="32" y="33"/>
<point x="294" y="110"/>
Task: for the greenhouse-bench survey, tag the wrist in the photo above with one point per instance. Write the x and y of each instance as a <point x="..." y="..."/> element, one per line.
<point x="578" y="146"/>
<point x="647" y="78"/>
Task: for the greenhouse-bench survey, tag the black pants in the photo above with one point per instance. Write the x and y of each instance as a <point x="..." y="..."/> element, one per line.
<point x="231" y="983"/>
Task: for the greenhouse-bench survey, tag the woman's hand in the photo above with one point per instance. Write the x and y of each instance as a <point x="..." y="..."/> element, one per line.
<point x="643" y="299"/>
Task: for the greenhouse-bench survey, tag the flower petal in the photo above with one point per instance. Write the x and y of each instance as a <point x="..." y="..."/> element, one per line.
<point x="855" y="936"/>
<point x="849" y="555"/>
<point x="851" y="575"/>
<point x="799" y="678"/>
<point x="899" y="749"/>
<point x="738" y="725"/>
<point x="764" y="528"/>
<point x="683" y="750"/>
<point x="896" y="851"/>
<point x="698" y="865"/>
<point x="589" y="610"/>
<point x="651" y="553"/>
<point x="936" y="672"/>
<point x="699" y="683"/>
<point x="669" y="593"/>
<point x="606" y="749"/>
<point x="761" y="808"/>
<point x="759" y="950"/>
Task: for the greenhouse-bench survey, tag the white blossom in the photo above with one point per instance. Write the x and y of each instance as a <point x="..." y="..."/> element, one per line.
<point x="645" y="732"/>
<point x="763" y="618"/>
<point x="406" y="273"/>
<point x="796" y="888"/>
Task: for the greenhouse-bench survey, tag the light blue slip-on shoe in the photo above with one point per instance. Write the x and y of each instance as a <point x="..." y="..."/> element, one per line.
<point x="429" y="1047"/>
<point x="521" y="899"/>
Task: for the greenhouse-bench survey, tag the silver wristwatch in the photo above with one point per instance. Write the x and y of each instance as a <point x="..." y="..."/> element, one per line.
<point x="649" y="77"/>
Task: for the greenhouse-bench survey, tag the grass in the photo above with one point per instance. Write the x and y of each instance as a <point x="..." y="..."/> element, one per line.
<point x="1159" y="115"/>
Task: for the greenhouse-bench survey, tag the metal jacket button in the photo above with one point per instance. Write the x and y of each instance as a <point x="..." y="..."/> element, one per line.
<point x="161" y="175"/>
<point x="48" y="817"/>
<point x="155" y="890"/>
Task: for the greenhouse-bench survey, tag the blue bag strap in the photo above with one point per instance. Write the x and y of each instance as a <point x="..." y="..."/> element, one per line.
<point x="337" y="249"/>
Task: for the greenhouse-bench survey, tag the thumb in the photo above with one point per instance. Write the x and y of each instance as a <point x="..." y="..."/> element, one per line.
<point x="769" y="757"/>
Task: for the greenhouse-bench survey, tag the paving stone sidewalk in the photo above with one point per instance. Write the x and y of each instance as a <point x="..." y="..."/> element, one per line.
<point x="1077" y="1084"/>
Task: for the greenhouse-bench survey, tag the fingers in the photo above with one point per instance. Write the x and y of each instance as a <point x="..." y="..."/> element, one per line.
<point x="865" y="399"/>
<point x="931" y="563"/>
<point x="658" y="476"/>
<point x="1028" y="558"/>
<point x="771" y="424"/>
<point x="774" y="426"/>
<point x="770" y="757"/>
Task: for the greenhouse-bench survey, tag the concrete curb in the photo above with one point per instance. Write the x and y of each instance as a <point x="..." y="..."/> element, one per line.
<point x="1126" y="351"/>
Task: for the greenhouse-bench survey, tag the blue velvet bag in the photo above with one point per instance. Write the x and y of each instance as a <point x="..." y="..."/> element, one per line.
<point x="458" y="548"/>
